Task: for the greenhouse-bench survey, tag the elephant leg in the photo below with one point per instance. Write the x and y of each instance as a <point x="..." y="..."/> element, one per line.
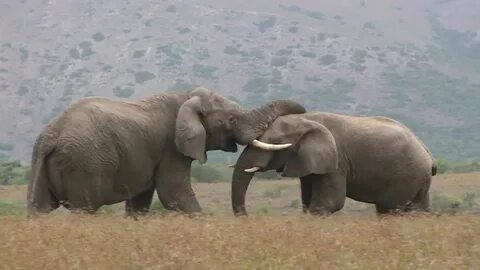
<point x="328" y="193"/>
<point x="399" y="201"/>
<point x="139" y="204"/>
<point x="306" y="190"/>
<point x="421" y="202"/>
<point x="84" y="193"/>
<point x="172" y="180"/>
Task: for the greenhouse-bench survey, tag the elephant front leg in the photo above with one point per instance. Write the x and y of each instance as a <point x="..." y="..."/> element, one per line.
<point x="328" y="193"/>
<point x="139" y="204"/>
<point x="172" y="181"/>
<point x="306" y="191"/>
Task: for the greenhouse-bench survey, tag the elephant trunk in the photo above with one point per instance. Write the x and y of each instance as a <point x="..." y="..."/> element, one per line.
<point x="254" y="123"/>
<point x="251" y="156"/>
<point x="240" y="182"/>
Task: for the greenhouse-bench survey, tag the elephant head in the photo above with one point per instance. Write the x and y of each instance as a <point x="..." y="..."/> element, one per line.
<point x="312" y="151"/>
<point x="207" y="121"/>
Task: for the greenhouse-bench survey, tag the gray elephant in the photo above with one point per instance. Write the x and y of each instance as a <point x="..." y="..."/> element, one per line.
<point x="102" y="151"/>
<point x="369" y="159"/>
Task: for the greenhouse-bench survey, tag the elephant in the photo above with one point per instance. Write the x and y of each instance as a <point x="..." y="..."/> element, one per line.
<point x="102" y="151"/>
<point x="372" y="159"/>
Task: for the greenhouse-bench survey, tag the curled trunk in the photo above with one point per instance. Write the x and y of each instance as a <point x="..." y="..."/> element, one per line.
<point x="253" y="124"/>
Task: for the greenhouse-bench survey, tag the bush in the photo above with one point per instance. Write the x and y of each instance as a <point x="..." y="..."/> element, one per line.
<point x="6" y="146"/>
<point x="13" y="173"/>
<point x="171" y="8"/>
<point x="98" y="37"/>
<point x="256" y="85"/>
<point x="143" y="76"/>
<point x="204" y="71"/>
<point x="202" y="54"/>
<point x="24" y="53"/>
<point x="293" y="29"/>
<point x="369" y="26"/>
<point x="181" y="86"/>
<point x="139" y="53"/>
<point x="463" y="167"/>
<point x="446" y="203"/>
<point x="279" y="61"/>
<point x="328" y="59"/>
<point x="205" y="173"/>
<point x="446" y="166"/>
<point x="265" y="24"/>
<point x="10" y="208"/>
<point x="442" y="165"/>
<point x="359" y="56"/>
<point x="231" y="50"/>
<point x="123" y="92"/>
<point x="307" y="54"/>
<point x="86" y="47"/>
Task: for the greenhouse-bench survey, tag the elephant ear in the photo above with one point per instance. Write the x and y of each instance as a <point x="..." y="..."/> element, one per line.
<point x="316" y="152"/>
<point x="190" y="135"/>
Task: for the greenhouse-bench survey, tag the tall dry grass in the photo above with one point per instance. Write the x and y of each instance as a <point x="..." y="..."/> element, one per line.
<point x="257" y="242"/>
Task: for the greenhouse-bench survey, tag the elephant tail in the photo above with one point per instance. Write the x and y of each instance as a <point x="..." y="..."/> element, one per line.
<point x="39" y="196"/>
<point x="434" y="162"/>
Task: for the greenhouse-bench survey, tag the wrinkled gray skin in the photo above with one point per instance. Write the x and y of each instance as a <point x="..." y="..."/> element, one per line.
<point x="369" y="159"/>
<point x="102" y="151"/>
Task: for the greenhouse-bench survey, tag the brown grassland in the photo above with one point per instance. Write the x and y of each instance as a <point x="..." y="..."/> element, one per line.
<point x="276" y="235"/>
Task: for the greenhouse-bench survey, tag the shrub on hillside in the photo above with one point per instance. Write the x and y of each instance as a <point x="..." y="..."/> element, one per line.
<point x="13" y="173"/>
<point x="205" y="173"/>
<point x="446" y="166"/>
<point x="143" y="76"/>
<point x="447" y="203"/>
<point x="125" y="92"/>
<point x="6" y="146"/>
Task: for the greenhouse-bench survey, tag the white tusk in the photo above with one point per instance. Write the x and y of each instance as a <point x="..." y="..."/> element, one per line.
<point x="232" y="166"/>
<point x="268" y="146"/>
<point x="253" y="169"/>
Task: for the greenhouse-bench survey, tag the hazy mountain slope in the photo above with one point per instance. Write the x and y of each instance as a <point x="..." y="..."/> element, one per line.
<point x="417" y="61"/>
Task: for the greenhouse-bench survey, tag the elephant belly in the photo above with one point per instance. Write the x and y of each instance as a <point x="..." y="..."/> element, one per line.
<point x="397" y="189"/>
<point x="131" y="182"/>
<point x="363" y="192"/>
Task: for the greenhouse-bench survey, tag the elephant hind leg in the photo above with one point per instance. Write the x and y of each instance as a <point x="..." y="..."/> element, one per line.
<point x="421" y="202"/>
<point x="84" y="192"/>
<point x="139" y="204"/>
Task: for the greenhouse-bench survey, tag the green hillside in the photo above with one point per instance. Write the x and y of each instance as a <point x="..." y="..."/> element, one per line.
<point x="416" y="61"/>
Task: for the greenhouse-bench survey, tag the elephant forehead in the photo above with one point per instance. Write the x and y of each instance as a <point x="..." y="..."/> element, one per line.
<point x="283" y="124"/>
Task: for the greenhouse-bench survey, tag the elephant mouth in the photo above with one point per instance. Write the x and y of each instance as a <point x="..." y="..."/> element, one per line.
<point x="230" y="146"/>
<point x="254" y="169"/>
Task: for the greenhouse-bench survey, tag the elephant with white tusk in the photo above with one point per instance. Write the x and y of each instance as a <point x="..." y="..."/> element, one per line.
<point x="102" y="151"/>
<point x="369" y="159"/>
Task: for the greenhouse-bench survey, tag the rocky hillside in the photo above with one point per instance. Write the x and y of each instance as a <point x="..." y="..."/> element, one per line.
<point x="417" y="61"/>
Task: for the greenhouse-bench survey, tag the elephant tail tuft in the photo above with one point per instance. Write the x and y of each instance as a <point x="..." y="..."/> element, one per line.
<point x="434" y="169"/>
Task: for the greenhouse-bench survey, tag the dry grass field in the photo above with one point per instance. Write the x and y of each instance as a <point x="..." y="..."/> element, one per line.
<point x="276" y="235"/>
